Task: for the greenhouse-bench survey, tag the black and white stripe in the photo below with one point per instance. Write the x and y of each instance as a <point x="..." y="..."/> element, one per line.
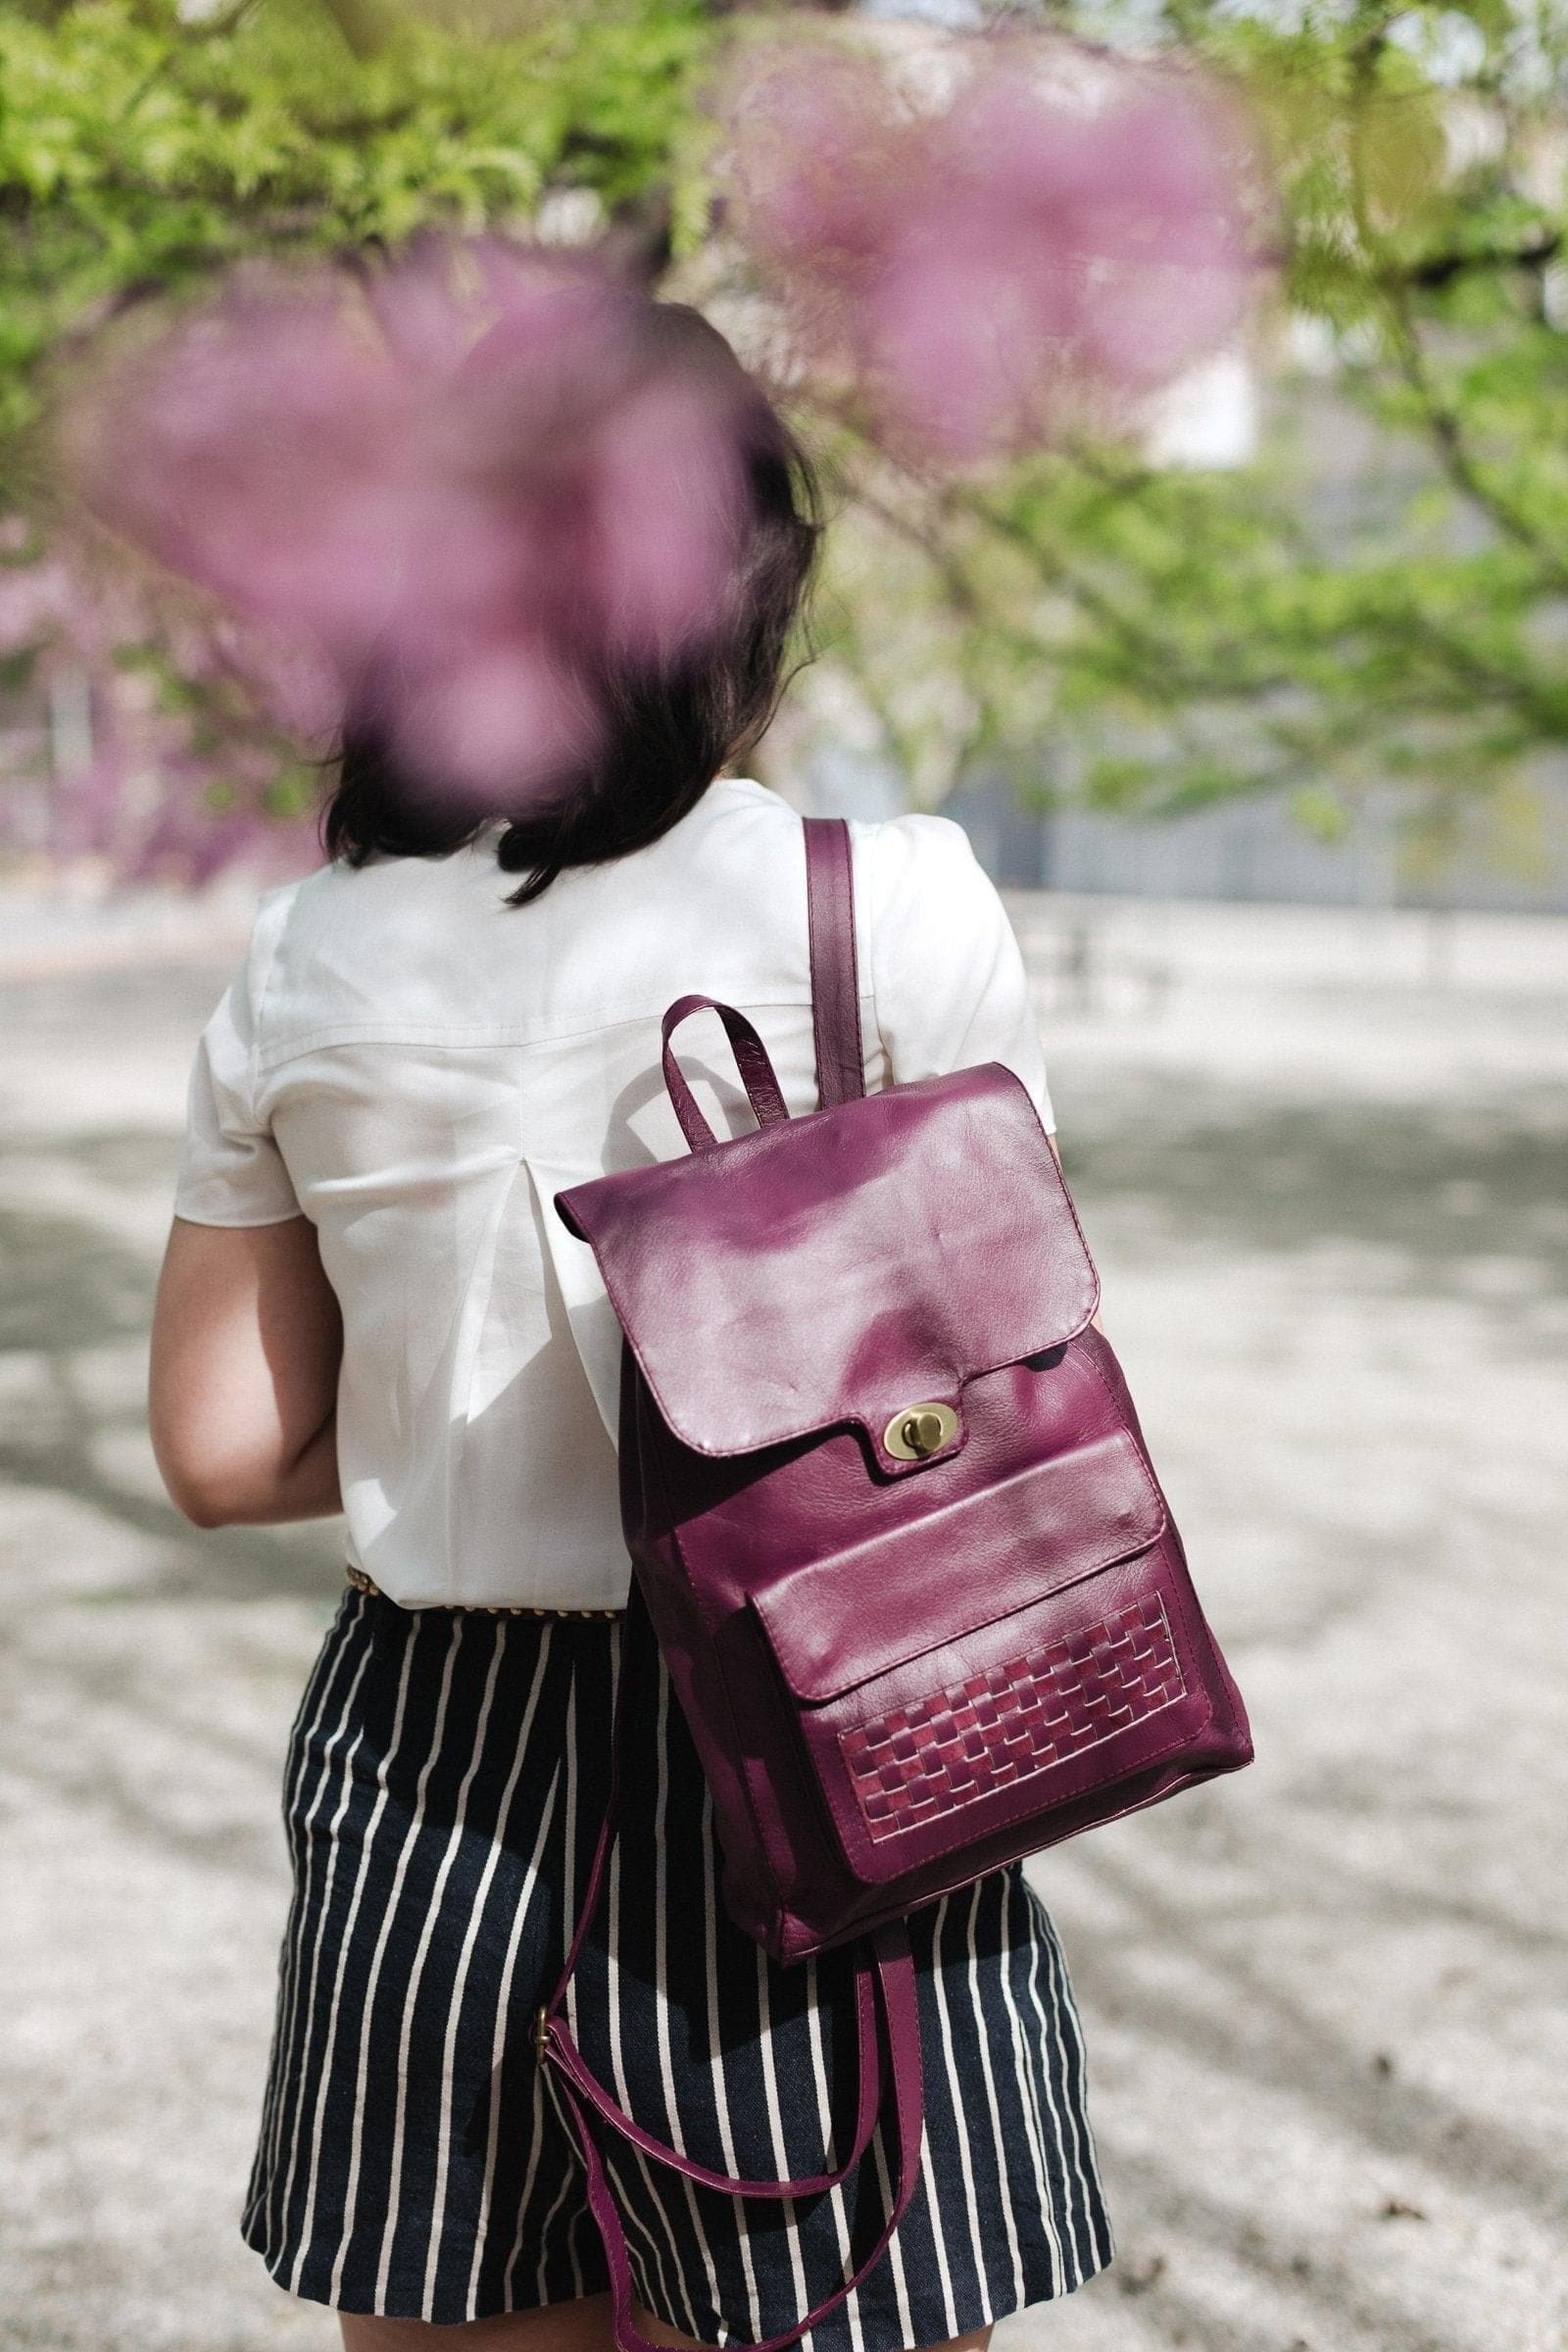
<point x="445" y="1782"/>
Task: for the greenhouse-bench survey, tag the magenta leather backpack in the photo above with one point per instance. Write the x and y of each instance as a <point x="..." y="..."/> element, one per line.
<point x="892" y="1518"/>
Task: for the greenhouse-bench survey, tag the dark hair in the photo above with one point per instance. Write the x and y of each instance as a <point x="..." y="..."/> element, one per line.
<point x="668" y="726"/>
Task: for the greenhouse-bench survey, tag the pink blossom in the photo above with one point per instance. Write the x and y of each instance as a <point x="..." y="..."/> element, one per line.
<point x="667" y="492"/>
<point x="254" y="447"/>
<point x="34" y="599"/>
<point x="440" y="499"/>
<point x="465" y="714"/>
<point x="103" y="763"/>
<point x="823" y="158"/>
<point x="980" y="270"/>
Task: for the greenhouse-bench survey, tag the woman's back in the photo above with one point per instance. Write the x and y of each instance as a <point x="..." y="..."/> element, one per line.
<point x="404" y="1072"/>
<point x="421" y="1067"/>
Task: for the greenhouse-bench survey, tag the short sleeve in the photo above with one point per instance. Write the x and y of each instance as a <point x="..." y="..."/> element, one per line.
<point x="231" y="1171"/>
<point x="945" y="968"/>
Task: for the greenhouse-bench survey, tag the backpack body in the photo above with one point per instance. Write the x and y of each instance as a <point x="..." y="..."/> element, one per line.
<point x="887" y="1500"/>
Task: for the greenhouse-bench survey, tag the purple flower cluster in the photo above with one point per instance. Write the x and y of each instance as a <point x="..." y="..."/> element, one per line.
<point x="440" y="499"/>
<point x="979" y="273"/>
<point x="449" y="497"/>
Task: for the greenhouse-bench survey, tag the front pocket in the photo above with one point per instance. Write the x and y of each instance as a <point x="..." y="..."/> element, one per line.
<point x="926" y="1736"/>
<point x="839" y="1621"/>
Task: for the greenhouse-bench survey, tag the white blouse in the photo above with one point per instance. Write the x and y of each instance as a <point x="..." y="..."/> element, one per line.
<point x="419" y="1068"/>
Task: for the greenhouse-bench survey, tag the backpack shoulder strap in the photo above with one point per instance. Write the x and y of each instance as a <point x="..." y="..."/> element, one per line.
<point x="835" y="979"/>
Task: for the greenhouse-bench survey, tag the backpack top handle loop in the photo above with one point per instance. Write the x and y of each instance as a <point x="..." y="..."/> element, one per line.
<point x="762" y="1089"/>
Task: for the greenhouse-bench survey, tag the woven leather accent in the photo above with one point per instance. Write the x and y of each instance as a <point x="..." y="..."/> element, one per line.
<point x="1050" y="1702"/>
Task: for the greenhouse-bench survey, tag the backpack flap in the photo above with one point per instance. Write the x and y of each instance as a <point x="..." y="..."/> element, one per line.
<point x="857" y="1266"/>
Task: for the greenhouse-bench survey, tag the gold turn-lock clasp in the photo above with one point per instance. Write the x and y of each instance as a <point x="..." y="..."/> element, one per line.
<point x="918" y="1431"/>
<point x="541" y="2032"/>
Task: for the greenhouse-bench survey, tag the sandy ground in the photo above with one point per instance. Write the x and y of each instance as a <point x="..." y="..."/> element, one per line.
<point x="1322" y="1162"/>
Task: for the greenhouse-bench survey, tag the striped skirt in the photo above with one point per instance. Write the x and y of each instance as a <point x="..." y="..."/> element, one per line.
<point x="446" y="1779"/>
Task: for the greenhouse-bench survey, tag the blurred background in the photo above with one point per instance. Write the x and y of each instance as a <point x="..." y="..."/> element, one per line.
<point x="1247" y="670"/>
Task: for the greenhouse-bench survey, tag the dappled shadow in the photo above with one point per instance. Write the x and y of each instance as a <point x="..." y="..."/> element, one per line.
<point x="1246" y="2022"/>
<point x="1238" y="2020"/>
<point x="64" y="1282"/>
<point x="132" y="1158"/>
<point x="1436" y="1187"/>
<point x="1180" y="1930"/>
<point x="70" y="1287"/>
<point x="122" y="1003"/>
<point x="231" y="1563"/>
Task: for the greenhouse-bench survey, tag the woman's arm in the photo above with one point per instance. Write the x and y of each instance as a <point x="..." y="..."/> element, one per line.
<point x="246" y="1344"/>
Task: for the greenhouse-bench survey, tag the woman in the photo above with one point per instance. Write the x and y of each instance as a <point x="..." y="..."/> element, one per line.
<point x="369" y="1306"/>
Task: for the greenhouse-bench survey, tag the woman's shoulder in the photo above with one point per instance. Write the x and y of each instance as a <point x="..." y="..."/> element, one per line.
<point x="911" y="852"/>
<point x="387" y="910"/>
<point x="919" y="876"/>
<point x="917" y="847"/>
<point x="925" y="907"/>
<point x="359" y="948"/>
<point x="412" y="945"/>
<point x="269" y="922"/>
